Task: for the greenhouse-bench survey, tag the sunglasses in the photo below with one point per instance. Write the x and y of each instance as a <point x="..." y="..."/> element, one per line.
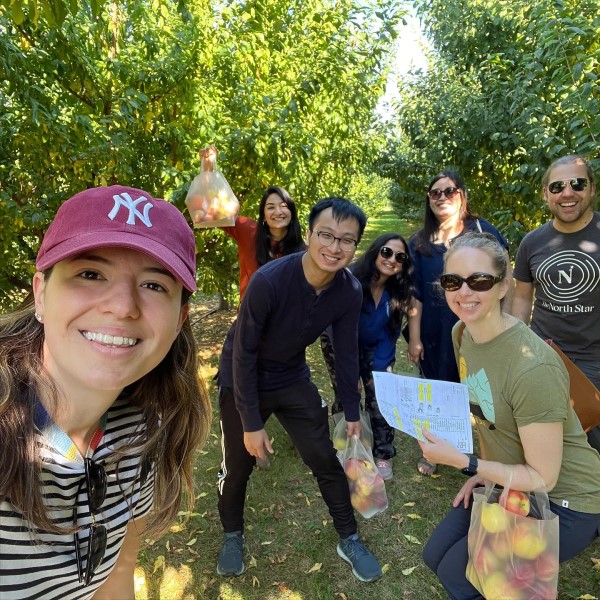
<point x="478" y="282"/>
<point x="449" y="192"/>
<point x="95" y="479"/>
<point x="387" y="252"/>
<point x="578" y="184"/>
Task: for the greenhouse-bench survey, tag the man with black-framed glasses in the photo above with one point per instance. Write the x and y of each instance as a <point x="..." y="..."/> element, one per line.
<point x="560" y="262"/>
<point x="287" y="305"/>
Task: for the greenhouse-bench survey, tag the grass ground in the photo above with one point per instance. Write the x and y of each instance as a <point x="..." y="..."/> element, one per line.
<point x="290" y="539"/>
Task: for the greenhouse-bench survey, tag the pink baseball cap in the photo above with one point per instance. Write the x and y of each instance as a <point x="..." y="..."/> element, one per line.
<point x="122" y="217"/>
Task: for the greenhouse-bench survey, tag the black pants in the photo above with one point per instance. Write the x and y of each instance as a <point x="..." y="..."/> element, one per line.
<point x="303" y="415"/>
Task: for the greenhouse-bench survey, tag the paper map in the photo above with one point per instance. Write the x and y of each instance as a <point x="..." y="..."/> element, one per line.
<point x="411" y="404"/>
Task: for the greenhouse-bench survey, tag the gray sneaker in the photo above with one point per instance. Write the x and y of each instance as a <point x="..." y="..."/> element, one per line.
<point x="364" y="565"/>
<point x="231" y="557"/>
<point x="384" y="467"/>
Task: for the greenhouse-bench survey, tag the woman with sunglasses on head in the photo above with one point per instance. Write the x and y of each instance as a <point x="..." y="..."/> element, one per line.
<point x="447" y="216"/>
<point x="519" y="395"/>
<point x="384" y="272"/>
<point x="98" y="372"/>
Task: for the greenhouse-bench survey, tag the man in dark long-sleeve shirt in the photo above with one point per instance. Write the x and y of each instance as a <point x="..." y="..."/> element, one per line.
<point x="288" y="303"/>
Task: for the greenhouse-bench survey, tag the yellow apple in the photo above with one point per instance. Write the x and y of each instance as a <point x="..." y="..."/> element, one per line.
<point x="493" y="518"/>
<point x="527" y="540"/>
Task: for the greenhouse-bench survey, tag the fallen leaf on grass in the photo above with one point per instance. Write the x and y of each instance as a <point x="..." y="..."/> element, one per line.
<point x="412" y="539"/>
<point x="409" y="504"/>
<point x="252" y="562"/>
<point x="342" y="596"/>
<point x="159" y="563"/>
<point x="408" y="571"/>
<point x="266" y="543"/>
<point x="191" y="542"/>
<point x="587" y="597"/>
<point x="255" y="581"/>
<point x="414" y="516"/>
<point x="385" y="568"/>
<point x="315" y="568"/>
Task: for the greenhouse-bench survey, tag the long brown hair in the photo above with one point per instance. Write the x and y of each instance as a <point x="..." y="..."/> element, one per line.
<point x="170" y="395"/>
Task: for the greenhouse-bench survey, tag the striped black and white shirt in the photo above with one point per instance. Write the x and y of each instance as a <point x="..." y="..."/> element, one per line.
<point x="45" y="566"/>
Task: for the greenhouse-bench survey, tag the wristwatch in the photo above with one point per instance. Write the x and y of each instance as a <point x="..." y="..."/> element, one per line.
<point x="472" y="468"/>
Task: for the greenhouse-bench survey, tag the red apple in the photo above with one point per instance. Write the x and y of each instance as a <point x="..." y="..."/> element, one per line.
<point x="546" y="566"/>
<point x="353" y="468"/>
<point x="516" y="502"/>
<point x="542" y="591"/>
<point x="522" y="574"/>
<point x="486" y="562"/>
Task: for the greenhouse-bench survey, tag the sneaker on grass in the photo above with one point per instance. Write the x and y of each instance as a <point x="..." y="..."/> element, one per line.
<point x="384" y="467"/>
<point x="231" y="557"/>
<point x="364" y="565"/>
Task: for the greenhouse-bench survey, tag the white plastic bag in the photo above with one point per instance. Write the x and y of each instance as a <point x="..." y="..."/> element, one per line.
<point x="367" y="488"/>
<point x="210" y="200"/>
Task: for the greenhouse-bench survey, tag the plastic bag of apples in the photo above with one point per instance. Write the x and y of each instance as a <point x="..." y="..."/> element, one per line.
<point x="513" y="545"/>
<point x="210" y="200"/>
<point x="367" y="488"/>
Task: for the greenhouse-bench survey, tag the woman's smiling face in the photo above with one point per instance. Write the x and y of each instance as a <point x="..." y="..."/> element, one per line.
<point x="470" y="306"/>
<point x="110" y="316"/>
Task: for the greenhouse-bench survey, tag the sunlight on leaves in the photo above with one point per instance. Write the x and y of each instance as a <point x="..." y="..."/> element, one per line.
<point x="315" y="568"/>
<point x="408" y="571"/>
<point x="139" y="584"/>
<point x="175" y="581"/>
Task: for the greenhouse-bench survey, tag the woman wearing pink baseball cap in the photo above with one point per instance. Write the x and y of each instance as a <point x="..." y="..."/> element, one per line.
<point x="98" y="372"/>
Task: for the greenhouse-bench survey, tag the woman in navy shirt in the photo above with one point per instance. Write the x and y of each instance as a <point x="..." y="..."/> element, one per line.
<point x="384" y="272"/>
<point x="447" y="216"/>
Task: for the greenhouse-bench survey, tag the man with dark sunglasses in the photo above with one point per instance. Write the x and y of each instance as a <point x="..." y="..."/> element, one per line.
<point x="560" y="262"/>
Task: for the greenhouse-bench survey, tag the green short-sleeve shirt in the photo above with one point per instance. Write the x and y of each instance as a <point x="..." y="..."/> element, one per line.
<point x="517" y="379"/>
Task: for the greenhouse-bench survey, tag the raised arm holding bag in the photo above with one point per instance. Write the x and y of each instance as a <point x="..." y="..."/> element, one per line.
<point x="210" y="200"/>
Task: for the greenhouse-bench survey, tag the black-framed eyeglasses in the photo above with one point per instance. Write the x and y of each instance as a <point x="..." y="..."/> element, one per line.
<point x="95" y="479"/>
<point x="449" y="192"/>
<point x="478" y="282"/>
<point x="387" y="252"/>
<point x="578" y="184"/>
<point x="327" y="239"/>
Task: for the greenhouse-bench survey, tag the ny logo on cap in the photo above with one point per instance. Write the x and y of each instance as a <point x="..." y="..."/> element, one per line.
<point x="125" y="200"/>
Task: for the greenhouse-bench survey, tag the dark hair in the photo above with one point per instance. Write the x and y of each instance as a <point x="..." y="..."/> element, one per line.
<point x="291" y="242"/>
<point x="431" y="225"/>
<point x="341" y="209"/>
<point x="399" y="287"/>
